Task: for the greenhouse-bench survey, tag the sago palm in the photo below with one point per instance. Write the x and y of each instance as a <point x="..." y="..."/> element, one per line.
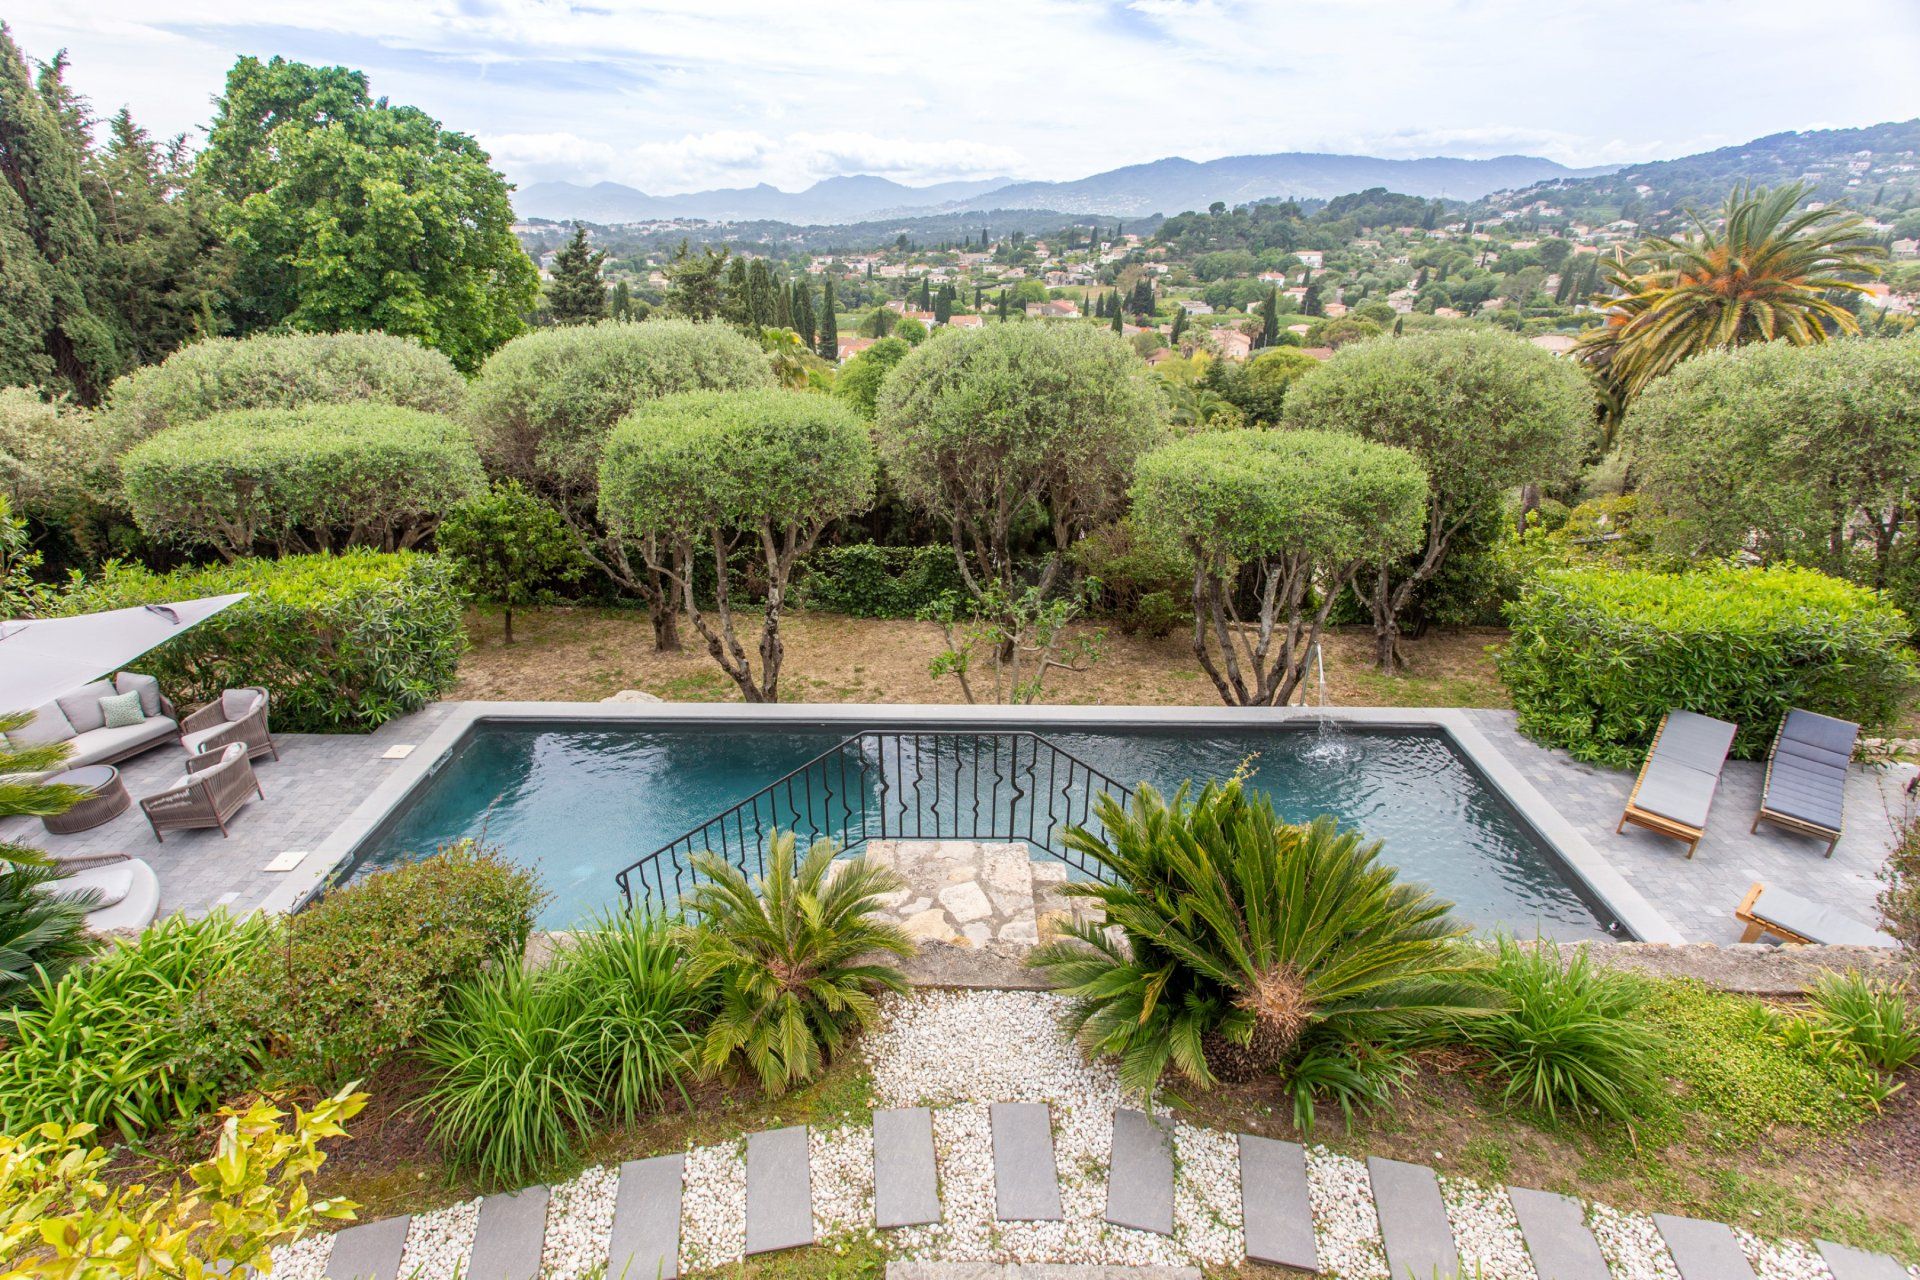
<point x="1764" y="270"/>
<point x="792" y="951"/>
<point x="1249" y="941"/>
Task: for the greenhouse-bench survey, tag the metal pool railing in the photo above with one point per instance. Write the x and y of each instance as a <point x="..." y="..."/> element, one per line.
<point x="897" y="785"/>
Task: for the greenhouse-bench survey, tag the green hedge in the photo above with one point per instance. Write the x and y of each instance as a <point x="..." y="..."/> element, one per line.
<point x="312" y="478"/>
<point x="868" y="581"/>
<point x="343" y="642"/>
<point x="1599" y="655"/>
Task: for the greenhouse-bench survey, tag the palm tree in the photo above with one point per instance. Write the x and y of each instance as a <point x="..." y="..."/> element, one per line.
<point x="791" y="951"/>
<point x="1765" y="270"/>
<point x="1250" y="943"/>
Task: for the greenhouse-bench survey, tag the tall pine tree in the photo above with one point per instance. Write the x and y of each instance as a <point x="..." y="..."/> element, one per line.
<point x="577" y="295"/>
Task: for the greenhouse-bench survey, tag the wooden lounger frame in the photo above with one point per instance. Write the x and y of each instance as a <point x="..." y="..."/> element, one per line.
<point x="1830" y="834"/>
<point x="1646" y="818"/>
<point x="1758" y="928"/>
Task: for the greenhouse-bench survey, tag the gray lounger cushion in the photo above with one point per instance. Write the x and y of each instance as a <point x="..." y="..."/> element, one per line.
<point x="1808" y="776"/>
<point x="1683" y="770"/>
<point x="1816" y="922"/>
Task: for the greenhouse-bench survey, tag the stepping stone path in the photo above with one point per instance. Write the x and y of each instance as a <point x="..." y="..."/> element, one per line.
<point x="1703" y="1250"/>
<point x="1026" y="1187"/>
<point x="906" y="1185"/>
<point x="645" y="1244"/>
<point x="1413" y="1221"/>
<point x="1274" y="1208"/>
<point x="1277" y="1215"/>
<point x="779" y="1190"/>
<point x="1555" y="1229"/>
<point x="1140" y="1174"/>
<point x="507" y="1239"/>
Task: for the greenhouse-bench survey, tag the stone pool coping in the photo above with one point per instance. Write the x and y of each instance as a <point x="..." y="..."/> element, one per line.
<point x="1593" y="872"/>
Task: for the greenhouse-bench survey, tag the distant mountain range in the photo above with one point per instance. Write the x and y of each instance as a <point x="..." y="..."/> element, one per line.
<point x="1165" y="186"/>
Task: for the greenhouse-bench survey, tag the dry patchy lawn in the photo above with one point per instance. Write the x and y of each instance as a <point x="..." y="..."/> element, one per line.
<point x="584" y="654"/>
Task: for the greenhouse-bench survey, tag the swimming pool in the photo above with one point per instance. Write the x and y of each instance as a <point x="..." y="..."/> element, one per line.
<point x="579" y="801"/>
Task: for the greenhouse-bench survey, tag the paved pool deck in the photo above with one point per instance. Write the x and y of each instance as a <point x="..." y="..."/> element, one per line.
<point x="326" y="789"/>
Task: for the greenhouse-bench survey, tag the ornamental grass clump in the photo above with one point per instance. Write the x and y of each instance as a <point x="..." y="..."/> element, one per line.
<point x="1875" y="1018"/>
<point x="792" y="952"/>
<point x="1566" y="1037"/>
<point x="1255" y="947"/>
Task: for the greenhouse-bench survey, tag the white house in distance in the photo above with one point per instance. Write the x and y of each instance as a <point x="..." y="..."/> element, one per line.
<point x="1195" y="307"/>
<point x="1314" y="258"/>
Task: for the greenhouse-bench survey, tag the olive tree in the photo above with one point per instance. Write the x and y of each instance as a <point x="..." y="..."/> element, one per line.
<point x="543" y="406"/>
<point x="706" y="472"/>
<point x="299" y="480"/>
<point x="1284" y="519"/>
<point x="1810" y="454"/>
<point x="995" y="430"/>
<point x="1483" y="412"/>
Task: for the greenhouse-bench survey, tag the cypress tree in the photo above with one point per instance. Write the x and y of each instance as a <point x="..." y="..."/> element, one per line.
<point x="1310" y="304"/>
<point x="803" y="318"/>
<point x="926" y="294"/>
<point x="783" y="306"/>
<point x="1270" y="318"/>
<point x="622" y="304"/>
<point x="943" y="305"/>
<point x="760" y="307"/>
<point x="829" y="347"/>
<point x="1179" y="325"/>
<point x="577" y="295"/>
<point x="1119" y="321"/>
<point x="736" y="306"/>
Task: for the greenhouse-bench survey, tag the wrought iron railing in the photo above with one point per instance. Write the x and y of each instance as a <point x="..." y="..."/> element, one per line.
<point x="902" y="785"/>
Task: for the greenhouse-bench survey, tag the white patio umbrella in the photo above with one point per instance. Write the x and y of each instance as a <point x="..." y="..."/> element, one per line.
<point x="42" y="658"/>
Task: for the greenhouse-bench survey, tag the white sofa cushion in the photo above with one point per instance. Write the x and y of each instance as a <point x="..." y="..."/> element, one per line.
<point x="111" y="882"/>
<point x="82" y="706"/>
<point x="106" y="744"/>
<point x="47" y="727"/>
<point x="148" y="687"/>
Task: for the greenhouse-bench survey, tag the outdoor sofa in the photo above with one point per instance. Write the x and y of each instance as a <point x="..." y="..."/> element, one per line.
<point x="77" y="720"/>
<point x="1675" y="788"/>
<point x="125" y="893"/>
<point x="1807" y="776"/>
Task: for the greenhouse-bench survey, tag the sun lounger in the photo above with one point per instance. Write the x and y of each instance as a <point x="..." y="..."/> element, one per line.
<point x="1807" y="776"/>
<point x="1675" y="788"/>
<point x="1792" y="918"/>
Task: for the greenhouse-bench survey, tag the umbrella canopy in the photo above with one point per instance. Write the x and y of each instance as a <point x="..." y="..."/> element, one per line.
<point x="42" y="658"/>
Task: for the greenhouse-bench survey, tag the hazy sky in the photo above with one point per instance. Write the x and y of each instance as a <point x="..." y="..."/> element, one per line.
<point x="686" y="94"/>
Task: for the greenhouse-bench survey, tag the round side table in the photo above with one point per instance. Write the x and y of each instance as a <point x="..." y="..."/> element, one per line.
<point x="106" y="799"/>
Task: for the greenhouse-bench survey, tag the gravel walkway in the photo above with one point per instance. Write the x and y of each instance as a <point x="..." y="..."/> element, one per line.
<point x="959" y="1051"/>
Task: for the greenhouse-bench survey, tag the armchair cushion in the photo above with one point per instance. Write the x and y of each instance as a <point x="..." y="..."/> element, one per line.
<point x="122" y="710"/>
<point x="237" y="704"/>
<point x="147" y="687"/>
<point x="82" y="706"/>
<point x="47" y="727"/>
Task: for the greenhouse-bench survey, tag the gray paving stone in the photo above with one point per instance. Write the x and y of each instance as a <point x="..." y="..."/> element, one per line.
<point x="1026" y="1187"/>
<point x="1274" y="1204"/>
<point x="1703" y="1250"/>
<point x="1413" y="1220"/>
<point x="779" y="1190"/>
<point x="645" y="1244"/>
<point x="508" y="1236"/>
<point x="1555" y="1229"/>
<point x="1140" y="1174"/>
<point x="906" y="1185"/>
<point x="369" y="1251"/>
<point x="904" y="1270"/>
<point x="1848" y="1263"/>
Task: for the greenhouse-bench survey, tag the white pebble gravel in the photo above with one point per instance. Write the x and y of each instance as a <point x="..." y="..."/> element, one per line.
<point x="304" y="1259"/>
<point x="1782" y="1259"/>
<point x="840" y="1167"/>
<point x="1631" y="1244"/>
<point x="713" y="1206"/>
<point x="579" y="1224"/>
<point x="1347" y="1228"/>
<point x="1486" y="1231"/>
<point x="438" y="1243"/>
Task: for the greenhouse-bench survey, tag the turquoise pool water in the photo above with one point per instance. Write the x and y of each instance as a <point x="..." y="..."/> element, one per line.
<point x="578" y="802"/>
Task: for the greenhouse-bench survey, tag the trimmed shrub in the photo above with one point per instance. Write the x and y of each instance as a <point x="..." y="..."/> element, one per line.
<point x="345" y="643"/>
<point x="864" y="580"/>
<point x="543" y="405"/>
<point x="355" y="977"/>
<point x="282" y="371"/>
<point x="109" y="1043"/>
<point x="1599" y="655"/>
<point x="52" y="458"/>
<point x="301" y="479"/>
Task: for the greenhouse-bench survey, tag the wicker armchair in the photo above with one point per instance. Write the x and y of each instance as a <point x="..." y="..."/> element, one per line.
<point x="238" y="715"/>
<point x="215" y="787"/>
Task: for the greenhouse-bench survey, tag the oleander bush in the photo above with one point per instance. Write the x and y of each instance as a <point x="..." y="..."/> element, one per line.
<point x="865" y="580"/>
<point x="315" y="478"/>
<point x="344" y="643"/>
<point x="281" y="371"/>
<point x="1597" y="656"/>
<point x="524" y="1062"/>
<point x="1565" y="1037"/>
<point x="354" y="978"/>
<point x="110" y="1044"/>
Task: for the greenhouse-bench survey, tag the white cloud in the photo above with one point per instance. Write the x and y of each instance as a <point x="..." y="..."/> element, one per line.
<point x="675" y="94"/>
